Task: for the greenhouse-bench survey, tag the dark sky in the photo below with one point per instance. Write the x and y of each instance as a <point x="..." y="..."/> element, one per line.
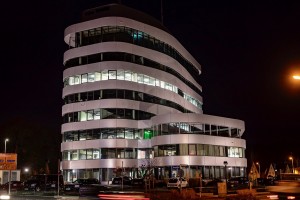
<point x="247" y="50"/>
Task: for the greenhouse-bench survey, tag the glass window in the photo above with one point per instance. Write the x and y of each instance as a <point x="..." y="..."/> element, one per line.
<point x="120" y="74"/>
<point x="210" y="150"/>
<point x="66" y="155"/>
<point x="236" y="152"/>
<point x="97" y="76"/>
<point x="128" y="75"/>
<point x="192" y="149"/>
<point x="71" y="80"/>
<point x="170" y="150"/>
<point x="155" y="151"/>
<point x="162" y="84"/>
<point x="90" y="114"/>
<point x="120" y="113"/>
<point x="97" y="133"/>
<point x="206" y="149"/>
<point x="151" y="81"/>
<point x="129" y="134"/>
<point x="112" y="74"/>
<point x="97" y="95"/>
<point x="139" y="134"/>
<point x="232" y="152"/>
<point x="96" y="154"/>
<point x="90" y="96"/>
<point x="84" y="78"/>
<point x="129" y="153"/>
<point x="217" y="151"/>
<point x="146" y="79"/>
<point x="91" y="77"/>
<point x="161" y="150"/>
<point x="97" y="114"/>
<point x="183" y="149"/>
<point x="89" y="134"/>
<point x="83" y="116"/>
<point x="120" y="133"/>
<point x="111" y="153"/>
<point x="128" y="114"/>
<point x="200" y="150"/>
<point x="82" y="135"/>
<point x="77" y="80"/>
<point x="175" y="89"/>
<point x="109" y="133"/>
<point x="89" y="154"/>
<point x="169" y="86"/>
<point x="222" y="151"/>
<point x="104" y="75"/>
<point x="120" y="153"/>
<point x="140" y="78"/>
<point x="141" y="154"/>
<point x="74" y="155"/>
<point x="157" y="82"/>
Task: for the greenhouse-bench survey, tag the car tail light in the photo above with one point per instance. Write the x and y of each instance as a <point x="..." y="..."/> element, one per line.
<point x="273" y="196"/>
<point x="290" y="197"/>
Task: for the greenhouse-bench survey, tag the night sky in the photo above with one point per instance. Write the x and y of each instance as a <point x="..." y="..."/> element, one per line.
<point x="248" y="51"/>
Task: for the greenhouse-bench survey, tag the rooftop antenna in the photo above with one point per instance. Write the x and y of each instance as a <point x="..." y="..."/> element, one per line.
<point x="161" y="12"/>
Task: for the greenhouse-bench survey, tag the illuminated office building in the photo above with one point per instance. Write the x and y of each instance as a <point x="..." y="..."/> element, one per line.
<point x="132" y="98"/>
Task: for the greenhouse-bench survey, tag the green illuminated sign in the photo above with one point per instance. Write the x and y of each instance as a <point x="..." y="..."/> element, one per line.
<point x="148" y="134"/>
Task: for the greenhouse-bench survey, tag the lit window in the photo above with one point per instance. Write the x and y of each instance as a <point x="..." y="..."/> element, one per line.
<point x="91" y="77"/>
<point x="71" y="80"/>
<point x="120" y="74"/>
<point x="97" y="76"/>
<point x="96" y="114"/>
<point x="104" y="75"/>
<point x="77" y="80"/>
<point x="140" y="78"/>
<point x="90" y="115"/>
<point x="112" y="74"/>
<point x="128" y="75"/>
<point x="83" y="116"/>
<point x="84" y="78"/>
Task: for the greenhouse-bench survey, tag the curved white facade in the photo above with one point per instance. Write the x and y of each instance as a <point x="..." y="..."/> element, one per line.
<point x="132" y="98"/>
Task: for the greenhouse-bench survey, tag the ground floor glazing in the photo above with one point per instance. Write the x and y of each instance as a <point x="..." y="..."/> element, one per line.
<point x="160" y="173"/>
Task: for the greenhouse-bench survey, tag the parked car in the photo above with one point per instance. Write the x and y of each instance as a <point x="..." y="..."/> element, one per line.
<point x="265" y="181"/>
<point x="81" y="185"/>
<point x="14" y="186"/>
<point x="118" y="180"/>
<point x="176" y="182"/>
<point x="238" y="183"/>
<point x="138" y="182"/>
<point x="44" y="182"/>
<point x="211" y="186"/>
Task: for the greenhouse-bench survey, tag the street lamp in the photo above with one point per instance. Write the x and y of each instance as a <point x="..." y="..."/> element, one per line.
<point x="6" y="140"/>
<point x="257" y="163"/>
<point x="26" y="172"/>
<point x="291" y="158"/>
<point x="225" y="163"/>
<point x="296" y="77"/>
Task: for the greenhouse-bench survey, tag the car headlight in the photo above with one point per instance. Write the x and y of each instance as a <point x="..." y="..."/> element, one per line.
<point x="4" y="197"/>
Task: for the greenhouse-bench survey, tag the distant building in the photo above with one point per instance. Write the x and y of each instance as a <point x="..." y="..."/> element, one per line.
<point x="131" y="99"/>
<point x="8" y="168"/>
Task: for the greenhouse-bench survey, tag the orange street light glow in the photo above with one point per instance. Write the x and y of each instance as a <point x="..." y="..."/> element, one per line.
<point x="296" y="77"/>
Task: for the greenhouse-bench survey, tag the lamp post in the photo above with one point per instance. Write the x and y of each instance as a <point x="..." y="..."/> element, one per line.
<point x="257" y="163"/>
<point x="291" y="158"/>
<point x="6" y="140"/>
<point x="225" y="163"/>
<point x="26" y="171"/>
